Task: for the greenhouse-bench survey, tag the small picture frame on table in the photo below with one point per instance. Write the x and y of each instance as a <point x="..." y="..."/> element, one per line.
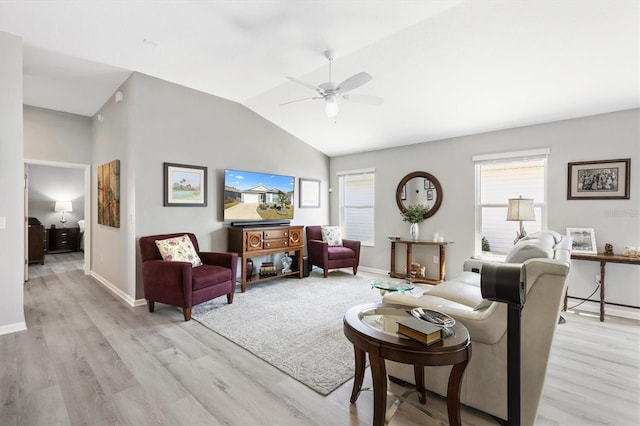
<point x="584" y="240"/>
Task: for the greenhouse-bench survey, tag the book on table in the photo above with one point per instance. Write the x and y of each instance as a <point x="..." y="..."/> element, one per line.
<point x="420" y="330"/>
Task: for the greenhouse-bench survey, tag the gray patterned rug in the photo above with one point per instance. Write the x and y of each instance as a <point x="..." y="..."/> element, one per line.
<point x="295" y="325"/>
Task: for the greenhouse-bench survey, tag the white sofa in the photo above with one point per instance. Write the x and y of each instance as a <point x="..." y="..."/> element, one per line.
<point x="546" y="258"/>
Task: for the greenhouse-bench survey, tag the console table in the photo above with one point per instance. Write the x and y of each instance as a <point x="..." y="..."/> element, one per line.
<point x="603" y="259"/>
<point x="410" y="244"/>
<point x="259" y="241"/>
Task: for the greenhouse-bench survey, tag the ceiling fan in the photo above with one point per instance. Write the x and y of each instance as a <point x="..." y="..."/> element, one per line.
<point x="333" y="93"/>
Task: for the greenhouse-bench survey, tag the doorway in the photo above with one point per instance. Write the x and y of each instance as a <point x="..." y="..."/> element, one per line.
<point x="69" y="182"/>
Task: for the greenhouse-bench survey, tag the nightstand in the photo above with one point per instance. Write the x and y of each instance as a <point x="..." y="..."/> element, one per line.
<point x="63" y="239"/>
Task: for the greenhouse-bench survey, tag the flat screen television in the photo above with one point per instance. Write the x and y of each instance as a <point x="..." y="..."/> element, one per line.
<point x="257" y="198"/>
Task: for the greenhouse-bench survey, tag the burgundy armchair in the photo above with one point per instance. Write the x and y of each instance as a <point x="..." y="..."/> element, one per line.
<point x="178" y="283"/>
<point x="326" y="257"/>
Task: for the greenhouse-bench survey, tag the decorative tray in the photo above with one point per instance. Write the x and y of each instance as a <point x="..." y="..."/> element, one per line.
<point x="435" y="317"/>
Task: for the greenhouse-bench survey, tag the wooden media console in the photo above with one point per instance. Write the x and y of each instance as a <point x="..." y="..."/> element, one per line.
<point x="260" y="241"/>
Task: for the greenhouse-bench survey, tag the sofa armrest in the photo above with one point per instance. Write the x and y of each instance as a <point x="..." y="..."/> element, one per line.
<point x="317" y="250"/>
<point x="475" y="265"/>
<point x="163" y="278"/>
<point x="353" y="245"/>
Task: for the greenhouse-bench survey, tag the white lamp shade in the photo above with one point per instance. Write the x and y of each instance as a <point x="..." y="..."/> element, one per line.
<point x="521" y="209"/>
<point x="63" y="206"/>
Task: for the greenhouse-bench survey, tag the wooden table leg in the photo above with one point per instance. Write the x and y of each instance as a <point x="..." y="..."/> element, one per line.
<point x="409" y="260"/>
<point x="379" y="375"/>
<point x="243" y="274"/>
<point x="602" y="269"/>
<point x="360" y="356"/>
<point x="392" y="267"/>
<point x="453" y="393"/>
<point x="442" y="263"/>
<point x="418" y="374"/>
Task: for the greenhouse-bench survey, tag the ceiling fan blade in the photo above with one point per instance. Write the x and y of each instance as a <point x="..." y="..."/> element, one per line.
<point x="305" y="84"/>
<point x="303" y="99"/>
<point x="354" y="81"/>
<point x="363" y="99"/>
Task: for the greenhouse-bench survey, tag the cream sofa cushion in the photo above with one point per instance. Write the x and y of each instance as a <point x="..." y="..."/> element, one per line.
<point x="464" y="290"/>
<point x="529" y="249"/>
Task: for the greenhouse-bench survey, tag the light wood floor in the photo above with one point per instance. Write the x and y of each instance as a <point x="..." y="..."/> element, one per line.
<point x="87" y="358"/>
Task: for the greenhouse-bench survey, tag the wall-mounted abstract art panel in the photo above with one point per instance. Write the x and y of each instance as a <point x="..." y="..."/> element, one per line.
<point x="109" y="194"/>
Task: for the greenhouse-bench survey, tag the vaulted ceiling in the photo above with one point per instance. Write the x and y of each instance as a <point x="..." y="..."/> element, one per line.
<point x="444" y="68"/>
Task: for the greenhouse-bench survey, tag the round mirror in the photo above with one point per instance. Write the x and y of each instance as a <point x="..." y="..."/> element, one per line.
<point x="419" y="188"/>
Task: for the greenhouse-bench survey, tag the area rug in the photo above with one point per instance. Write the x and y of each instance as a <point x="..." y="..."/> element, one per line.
<point x="295" y="324"/>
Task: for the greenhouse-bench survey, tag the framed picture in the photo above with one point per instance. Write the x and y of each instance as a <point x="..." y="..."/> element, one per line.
<point x="599" y="180"/>
<point x="309" y="193"/>
<point x="429" y="194"/>
<point x="584" y="240"/>
<point x="185" y="186"/>
<point x="109" y="194"/>
<point x="403" y="195"/>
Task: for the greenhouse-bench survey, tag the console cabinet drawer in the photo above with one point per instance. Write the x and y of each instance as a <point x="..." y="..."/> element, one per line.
<point x="276" y="234"/>
<point x="269" y="244"/>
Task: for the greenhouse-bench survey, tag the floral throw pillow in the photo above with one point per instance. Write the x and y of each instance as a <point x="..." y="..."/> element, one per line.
<point x="332" y="235"/>
<point x="179" y="249"/>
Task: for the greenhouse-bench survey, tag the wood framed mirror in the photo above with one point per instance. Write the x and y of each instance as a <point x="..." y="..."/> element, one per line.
<point x="419" y="188"/>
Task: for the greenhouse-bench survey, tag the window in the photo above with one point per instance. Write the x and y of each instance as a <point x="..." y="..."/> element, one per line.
<point x="498" y="178"/>
<point x="357" y="204"/>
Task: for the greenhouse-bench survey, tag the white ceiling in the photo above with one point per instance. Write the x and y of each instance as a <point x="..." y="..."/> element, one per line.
<point x="445" y="68"/>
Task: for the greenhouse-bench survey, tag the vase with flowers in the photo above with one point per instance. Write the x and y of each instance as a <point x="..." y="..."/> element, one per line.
<point x="414" y="214"/>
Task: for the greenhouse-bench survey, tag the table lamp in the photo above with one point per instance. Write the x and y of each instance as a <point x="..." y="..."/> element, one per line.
<point x="520" y="209"/>
<point x="63" y="206"/>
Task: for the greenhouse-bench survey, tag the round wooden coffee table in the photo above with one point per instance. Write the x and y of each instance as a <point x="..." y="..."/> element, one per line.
<point x="372" y="329"/>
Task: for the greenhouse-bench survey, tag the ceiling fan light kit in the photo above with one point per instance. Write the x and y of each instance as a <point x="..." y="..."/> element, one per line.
<point x="333" y="94"/>
<point x="332" y="108"/>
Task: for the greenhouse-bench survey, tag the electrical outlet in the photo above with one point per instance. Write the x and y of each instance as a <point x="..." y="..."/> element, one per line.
<point x="597" y="279"/>
<point x="436" y="259"/>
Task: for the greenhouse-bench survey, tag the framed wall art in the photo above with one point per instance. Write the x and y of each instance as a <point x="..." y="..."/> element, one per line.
<point x="599" y="180"/>
<point x="109" y="194"/>
<point x="309" y="192"/>
<point x="584" y="240"/>
<point x="185" y="186"/>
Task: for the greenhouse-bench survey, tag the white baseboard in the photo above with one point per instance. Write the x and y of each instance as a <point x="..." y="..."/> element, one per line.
<point x="115" y="290"/>
<point x="613" y="310"/>
<point x="373" y="270"/>
<point x="12" y="328"/>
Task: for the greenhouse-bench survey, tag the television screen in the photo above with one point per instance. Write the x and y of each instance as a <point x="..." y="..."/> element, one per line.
<point x="252" y="196"/>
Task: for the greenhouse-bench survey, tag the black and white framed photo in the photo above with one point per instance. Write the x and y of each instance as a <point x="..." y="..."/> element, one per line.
<point x="599" y="180"/>
<point x="309" y="193"/>
<point x="584" y="240"/>
<point x="184" y="186"/>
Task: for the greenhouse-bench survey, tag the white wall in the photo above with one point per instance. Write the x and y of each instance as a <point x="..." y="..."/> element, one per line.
<point x="56" y="136"/>
<point x="11" y="186"/>
<point x="162" y="122"/>
<point x="607" y="136"/>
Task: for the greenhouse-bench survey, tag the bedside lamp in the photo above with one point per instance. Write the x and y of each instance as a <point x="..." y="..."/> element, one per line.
<point x="63" y="206"/>
<point x="520" y="209"/>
